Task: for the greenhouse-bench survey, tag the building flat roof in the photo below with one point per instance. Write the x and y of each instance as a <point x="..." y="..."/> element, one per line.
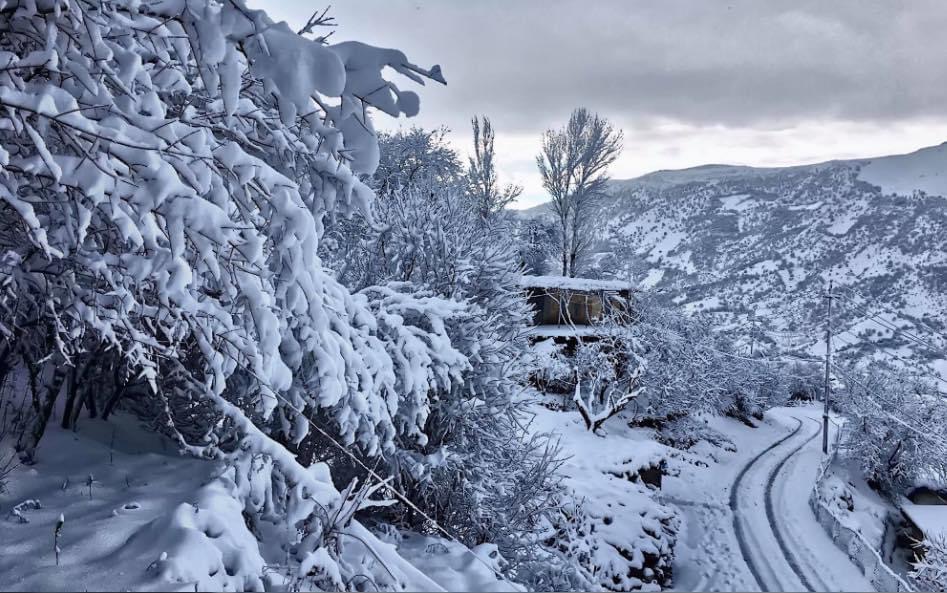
<point x="930" y="518"/>
<point x="566" y="283"/>
<point x="562" y="331"/>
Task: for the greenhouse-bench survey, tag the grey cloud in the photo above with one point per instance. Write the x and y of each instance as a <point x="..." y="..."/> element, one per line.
<point x="738" y="63"/>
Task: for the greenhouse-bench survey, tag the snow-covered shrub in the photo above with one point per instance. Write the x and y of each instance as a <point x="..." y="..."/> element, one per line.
<point x="568" y="533"/>
<point x="169" y="184"/>
<point x="431" y="239"/>
<point x="607" y="372"/>
<point x="479" y="472"/>
<point x="690" y="367"/>
<point x="806" y="381"/>
<point x="165" y="171"/>
<point x="684" y="431"/>
<point x="895" y="426"/>
<point x="552" y="371"/>
<point x="930" y="574"/>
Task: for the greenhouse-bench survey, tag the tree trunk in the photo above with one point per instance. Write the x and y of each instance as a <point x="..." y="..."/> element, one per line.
<point x="119" y="386"/>
<point x="45" y="384"/>
<point x="5" y="365"/>
<point x="72" y="390"/>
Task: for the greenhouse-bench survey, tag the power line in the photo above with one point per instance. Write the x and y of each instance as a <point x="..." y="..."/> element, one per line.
<point x="385" y="482"/>
<point x="913" y="364"/>
<point x="921" y="432"/>
<point x="891" y="326"/>
<point x="920" y="322"/>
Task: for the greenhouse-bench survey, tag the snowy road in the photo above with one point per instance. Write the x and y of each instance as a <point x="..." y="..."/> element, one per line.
<point x="764" y="537"/>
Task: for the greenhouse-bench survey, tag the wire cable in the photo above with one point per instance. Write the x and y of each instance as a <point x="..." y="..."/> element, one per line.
<point x="891" y="325"/>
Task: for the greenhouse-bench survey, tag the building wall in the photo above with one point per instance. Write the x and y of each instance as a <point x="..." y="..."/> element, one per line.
<point x="581" y="308"/>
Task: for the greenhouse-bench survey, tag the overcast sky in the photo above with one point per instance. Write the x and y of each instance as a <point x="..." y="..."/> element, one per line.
<point x="755" y="82"/>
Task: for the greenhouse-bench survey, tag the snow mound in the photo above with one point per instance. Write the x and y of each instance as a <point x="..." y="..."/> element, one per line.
<point x="453" y="566"/>
<point x="204" y="543"/>
<point x="116" y="489"/>
<point x="924" y="170"/>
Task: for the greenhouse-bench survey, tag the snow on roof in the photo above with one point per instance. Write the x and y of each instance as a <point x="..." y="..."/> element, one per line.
<point x="562" y="331"/>
<point x="587" y="284"/>
<point x="930" y="518"/>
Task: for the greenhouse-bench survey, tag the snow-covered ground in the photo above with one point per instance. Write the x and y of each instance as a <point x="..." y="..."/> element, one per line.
<point x="740" y="518"/>
<point x="747" y="524"/>
<point x="603" y="470"/>
<point x="139" y="516"/>
<point x="108" y="538"/>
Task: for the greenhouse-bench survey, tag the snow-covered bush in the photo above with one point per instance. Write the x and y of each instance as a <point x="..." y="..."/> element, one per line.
<point x="930" y="574"/>
<point x="552" y="371"/>
<point x="607" y="372"/>
<point x="626" y="550"/>
<point x="895" y="427"/>
<point x="685" y="431"/>
<point x="689" y="367"/>
<point x="431" y="239"/>
<point x="165" y="171"/>
<point x="806" y="381"/>
<point x="480" y="472"/>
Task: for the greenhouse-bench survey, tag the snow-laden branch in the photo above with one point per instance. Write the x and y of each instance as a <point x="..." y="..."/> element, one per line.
<point x="595" y="413"/>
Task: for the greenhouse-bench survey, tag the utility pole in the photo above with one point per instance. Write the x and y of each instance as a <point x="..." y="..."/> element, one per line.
<point x="828" y="363"/>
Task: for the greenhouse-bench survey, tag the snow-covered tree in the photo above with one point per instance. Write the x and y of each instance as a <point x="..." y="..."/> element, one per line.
<point x="410" y="156"/>
<point x="608" y="372"/>
<point x="573" y="164"/>
<point x="166" y="169"/>
<point x="536" y="242"/>
<point x="482" y="184"/>
<point x="930" y="574"/>
<point x="894" y="428"/>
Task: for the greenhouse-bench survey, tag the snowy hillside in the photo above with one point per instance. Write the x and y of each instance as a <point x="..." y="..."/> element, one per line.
<point x="756" y="247"/>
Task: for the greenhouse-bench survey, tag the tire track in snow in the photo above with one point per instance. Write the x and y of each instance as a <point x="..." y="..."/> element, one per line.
<point x="771" y="515"/>
<point x="830" y="569"/>
<point x="745" y="548"/>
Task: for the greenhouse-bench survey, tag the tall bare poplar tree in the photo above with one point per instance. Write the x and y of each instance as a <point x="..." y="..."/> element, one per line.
<point x="482" y="184"/>
<point x="573" y="164"/>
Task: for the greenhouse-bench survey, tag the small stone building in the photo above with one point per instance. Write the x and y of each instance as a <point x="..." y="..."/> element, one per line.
<point x="925" y="518"/>
<point x="568" y="308"/>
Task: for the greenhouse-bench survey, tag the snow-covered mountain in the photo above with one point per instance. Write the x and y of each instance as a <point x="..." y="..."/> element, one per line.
<point x="757" y="246"/>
